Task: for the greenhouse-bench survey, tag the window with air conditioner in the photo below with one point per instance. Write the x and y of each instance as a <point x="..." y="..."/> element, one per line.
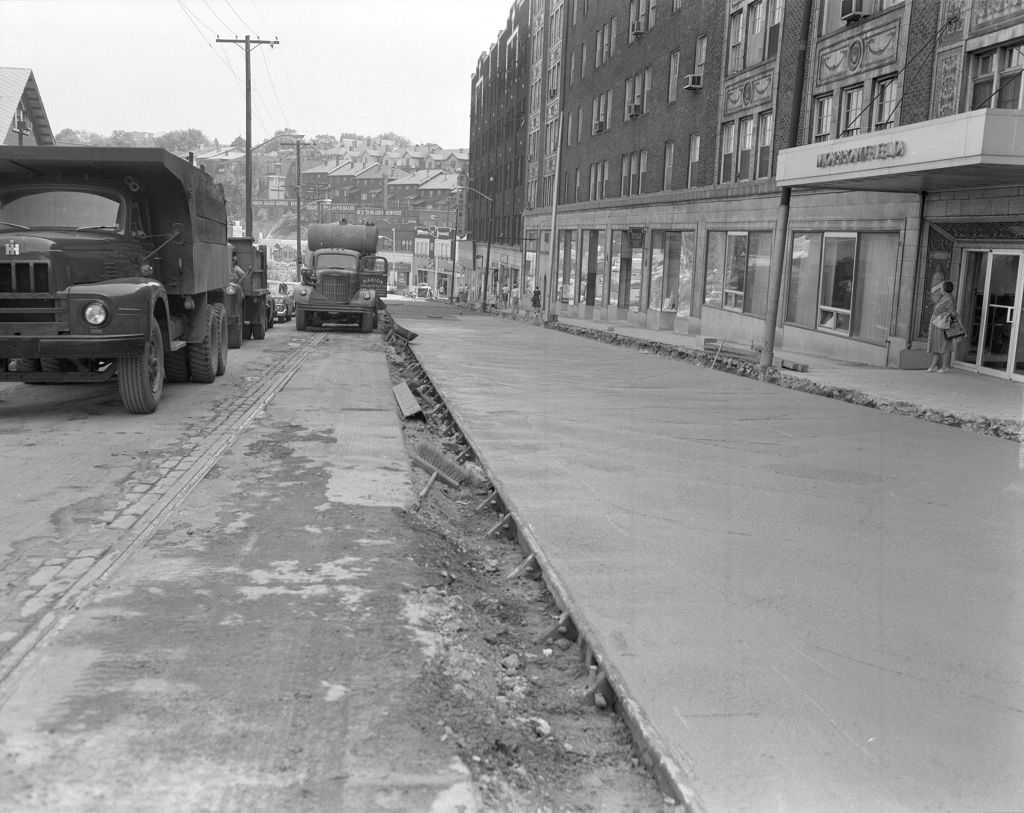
<point x="693" y="81"/>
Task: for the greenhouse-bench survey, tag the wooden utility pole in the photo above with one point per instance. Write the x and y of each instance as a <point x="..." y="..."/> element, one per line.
<point x="249" y="43"/>
<point x="299" y="142"/>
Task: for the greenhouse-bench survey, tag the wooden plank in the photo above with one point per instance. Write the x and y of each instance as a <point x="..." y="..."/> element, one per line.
<point x="407" y="402"/>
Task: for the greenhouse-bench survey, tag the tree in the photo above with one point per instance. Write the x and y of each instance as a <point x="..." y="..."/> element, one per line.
<point x="182" y="140"/>
<point x="400" y="141"/>
<point x="239" y="143"/>
<point x="86" y="137"/>
<point x="325" y="141"/>
<point x="122" y="138"/>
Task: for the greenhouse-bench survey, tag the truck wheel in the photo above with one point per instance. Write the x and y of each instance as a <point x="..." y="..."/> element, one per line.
<point x="259" y="330"/>
<point x="202" y="356"/>
<point x="366" y="322"/>
<point x="176" y="366"/>
<point x="140" y="378"/>
<point x="235" y="333"/>
<point x="221" y="320"/>
<point x="300" y="320"/>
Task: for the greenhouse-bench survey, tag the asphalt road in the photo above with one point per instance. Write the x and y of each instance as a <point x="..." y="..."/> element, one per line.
<point x="816" y="605"/>
<point x="216" y="607"/>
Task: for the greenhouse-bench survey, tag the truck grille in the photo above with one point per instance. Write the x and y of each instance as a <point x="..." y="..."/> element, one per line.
<point x="25" y="292"/>
<point x="24" y="277"/>
<point x="337" y="288"/>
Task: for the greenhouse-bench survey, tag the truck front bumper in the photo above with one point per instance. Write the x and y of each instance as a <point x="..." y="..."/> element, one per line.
<point x="71" y="347"/>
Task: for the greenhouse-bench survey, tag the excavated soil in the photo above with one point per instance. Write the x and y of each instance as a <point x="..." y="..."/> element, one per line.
<point x="508" y="684"/>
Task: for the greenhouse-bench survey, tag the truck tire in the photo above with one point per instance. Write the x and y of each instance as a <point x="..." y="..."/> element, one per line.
<point x="140" y="379"/>
<point x="259" y="330"/>
<point x="221" y="320"/>
<point x="366" y="322"/>
<point x="202" y="356"/>
<point x="176" y="366"/>
<point x="300" y="320"/>
<point x="235" y="333"/>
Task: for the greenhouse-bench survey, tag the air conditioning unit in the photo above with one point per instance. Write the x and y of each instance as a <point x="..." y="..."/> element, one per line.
<point x="553" y="93"/>
<point x="633" y="110"/>
<point x="636" y="28"/>
<point x="851" y="10"/>
<point x="693" y="81"/>
<point x="598" y="126"/>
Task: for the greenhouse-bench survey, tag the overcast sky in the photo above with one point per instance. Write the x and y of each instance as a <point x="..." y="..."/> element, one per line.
<point x="364" y="66"/>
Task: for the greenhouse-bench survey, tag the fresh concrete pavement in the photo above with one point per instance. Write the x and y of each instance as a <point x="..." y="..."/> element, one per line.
<point x="810" y="604"/>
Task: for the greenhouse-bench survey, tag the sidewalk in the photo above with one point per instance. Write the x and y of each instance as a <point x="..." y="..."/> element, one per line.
<point x="974" y="402"/>
<point x="801" y="604"/>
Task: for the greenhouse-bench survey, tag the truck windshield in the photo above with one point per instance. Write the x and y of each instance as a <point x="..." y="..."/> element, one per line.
<point x="60" y="209"/>
<point x="345" y="262"/>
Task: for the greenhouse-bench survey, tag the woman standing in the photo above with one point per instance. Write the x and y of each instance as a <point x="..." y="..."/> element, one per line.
<point x="943" y="318"/>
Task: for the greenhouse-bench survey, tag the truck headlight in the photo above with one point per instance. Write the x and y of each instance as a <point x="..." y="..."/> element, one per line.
<point x="367" y="294"/>
<point x="95" y="313"/>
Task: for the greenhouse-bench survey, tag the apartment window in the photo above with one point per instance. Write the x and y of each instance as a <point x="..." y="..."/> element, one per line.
<point x="572" y="69"/>
<point x="1010" y="64"/>
<point x="736" y="42"/>
<point x="670" y="160"/>
<point x="765" y="122"/>
<point x="677" y="5"/>
<point x="774" y="22"/>
<point x="851" y="110"/>
<point x="634" y="173"/>
<point x="746" y="149"/>
<point x="638" y="89"/>
<point x="642" y="15"/>
<point x="983" y="80"/>
<point x="673" y="76"/>
<point x="832" y="12"/>
<point x="884" y="104"/>
<point x="583" y="59"/>
<point x="822" y="118"/>
<point x="576" y="186"/>
<point x="691" y="170"/>
<point x="642" y="181"/>
<point x="736" y="271"/>
<point x="755" y="33"/>
<point x="648" y="84"/>
<point x="700" y="55"/>
<point x="728" y="151"/>
<point x="624" y="180"/>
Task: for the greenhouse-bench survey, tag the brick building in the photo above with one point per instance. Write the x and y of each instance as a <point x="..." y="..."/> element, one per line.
<point x="793" y="174"/>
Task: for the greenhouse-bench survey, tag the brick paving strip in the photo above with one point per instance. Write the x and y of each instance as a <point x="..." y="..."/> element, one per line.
<point x="68" y="582"/>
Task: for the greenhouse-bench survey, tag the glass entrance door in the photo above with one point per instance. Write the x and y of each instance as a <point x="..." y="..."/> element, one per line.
<point x="990" y="306"/>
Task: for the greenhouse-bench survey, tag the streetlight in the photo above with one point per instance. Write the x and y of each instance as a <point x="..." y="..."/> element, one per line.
<point x="490" y="228"/>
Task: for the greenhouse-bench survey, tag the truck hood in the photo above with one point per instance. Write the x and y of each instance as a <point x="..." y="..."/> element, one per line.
<point x="89" y="256"/>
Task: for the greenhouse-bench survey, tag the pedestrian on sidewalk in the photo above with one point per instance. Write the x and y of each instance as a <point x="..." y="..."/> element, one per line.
<point x="535" y="302"/>
<point x="944" y="319"/>
<point x="515" y="299"/>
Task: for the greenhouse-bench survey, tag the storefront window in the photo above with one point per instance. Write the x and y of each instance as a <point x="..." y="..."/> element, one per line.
<point x="613" y="269"/>
<point x="687" y="254"/>
<point x="877" y="255"/>
<point x="657" y="271"/>
<point x="568" y="271"/>
<point x="737" y="271"/>
<point x="713" y="269"/>
<point x="804" y="266"/>
<point x="842" y="282"/>
<point x="591" y="268"/>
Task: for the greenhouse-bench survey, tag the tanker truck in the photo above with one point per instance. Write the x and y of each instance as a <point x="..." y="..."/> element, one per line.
<point x="345" y="282"/>
<point x="114" y="263"/>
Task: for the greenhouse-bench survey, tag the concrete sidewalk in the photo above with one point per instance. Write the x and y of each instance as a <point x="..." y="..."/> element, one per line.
<point x="959" y="398"/>
<point x="803" y="604"/>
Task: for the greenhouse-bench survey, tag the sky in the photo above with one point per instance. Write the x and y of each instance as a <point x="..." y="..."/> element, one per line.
<point x="362" y="66"/>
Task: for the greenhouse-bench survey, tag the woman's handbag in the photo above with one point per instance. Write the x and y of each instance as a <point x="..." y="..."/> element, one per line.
<point x="942" y="320"/>
<point x="955" y="329"/>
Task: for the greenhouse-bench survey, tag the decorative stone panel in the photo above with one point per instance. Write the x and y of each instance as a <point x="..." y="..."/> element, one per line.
<point x="992" y="13"/>
<point x="753" y="92"/>
<point x="854" y="56"/>
<point x="946" y="99"/>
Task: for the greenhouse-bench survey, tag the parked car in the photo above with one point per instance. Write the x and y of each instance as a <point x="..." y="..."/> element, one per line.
<point x="424" y="291"/>
<point x="284" y="302"/>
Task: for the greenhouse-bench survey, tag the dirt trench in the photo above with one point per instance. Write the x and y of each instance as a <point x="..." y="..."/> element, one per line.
<point x="509" y="684"/>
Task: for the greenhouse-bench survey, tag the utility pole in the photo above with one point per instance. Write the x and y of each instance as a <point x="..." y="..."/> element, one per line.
<point x="299" y="141"/>
<point x="249" y="43"/>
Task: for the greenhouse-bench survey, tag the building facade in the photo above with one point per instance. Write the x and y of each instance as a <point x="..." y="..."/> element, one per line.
<point x="789" y="174"/>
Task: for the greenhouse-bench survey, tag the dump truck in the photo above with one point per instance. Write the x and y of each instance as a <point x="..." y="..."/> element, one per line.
<point x="114" y="263"/>
<point x="345" y="281"/>
<point x="255" y="312"/>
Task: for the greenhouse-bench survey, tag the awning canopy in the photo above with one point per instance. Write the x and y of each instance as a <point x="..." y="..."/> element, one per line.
<point x="972" y="150"/>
